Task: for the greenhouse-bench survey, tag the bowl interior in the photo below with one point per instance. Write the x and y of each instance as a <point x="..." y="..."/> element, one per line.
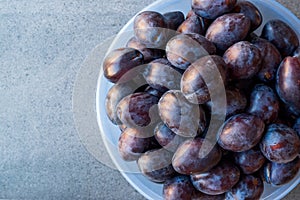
<point x="110" y="133"/>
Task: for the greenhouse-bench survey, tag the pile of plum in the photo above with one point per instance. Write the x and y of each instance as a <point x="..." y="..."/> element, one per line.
<point x="166" y="80"/>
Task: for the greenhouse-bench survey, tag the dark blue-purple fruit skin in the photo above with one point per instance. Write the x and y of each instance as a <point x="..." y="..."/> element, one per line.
<point x="120" y="61"/>
<point x="250" y="161"/>
<point x="249" y="187"/>
<point x="281" y="35"/>
<point x="179" y="188"/>
<point x="241" y="132"/>
<point x="279" y="174"/>
<point x="264" y="103"/>
<point x="217" y="180"/>
<point x="296" y="126"/>
<point x="280" y="144"/>
<point x="288" y="83"/>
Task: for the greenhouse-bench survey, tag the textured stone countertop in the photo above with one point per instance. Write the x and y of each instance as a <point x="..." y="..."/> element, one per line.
<point x="44" y="153"/>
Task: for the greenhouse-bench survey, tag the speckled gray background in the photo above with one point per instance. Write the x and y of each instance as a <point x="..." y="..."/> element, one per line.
<point x="42" y="46"/>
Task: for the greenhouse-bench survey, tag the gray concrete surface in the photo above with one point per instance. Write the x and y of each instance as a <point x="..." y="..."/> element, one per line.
<point x="42" y="46"/>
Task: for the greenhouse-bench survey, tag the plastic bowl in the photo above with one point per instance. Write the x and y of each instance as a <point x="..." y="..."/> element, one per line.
<point x="110" y="133"/>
